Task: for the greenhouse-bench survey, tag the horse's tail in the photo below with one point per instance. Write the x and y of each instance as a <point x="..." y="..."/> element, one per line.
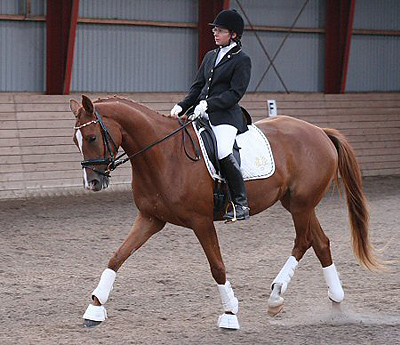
<point x="356" y="201"/>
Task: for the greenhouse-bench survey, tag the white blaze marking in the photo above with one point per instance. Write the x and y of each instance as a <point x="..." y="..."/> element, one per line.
<point x="85" y="178"/>
<point x="79" y="139"/>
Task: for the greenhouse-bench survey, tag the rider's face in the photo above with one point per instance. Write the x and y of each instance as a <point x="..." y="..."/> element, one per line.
<point x="222" y="36"/>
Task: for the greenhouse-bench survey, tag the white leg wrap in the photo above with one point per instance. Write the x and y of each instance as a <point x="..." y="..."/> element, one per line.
<point x="285" y="274"/>
<point x="105" y="285"/>
<point x="335" y="290"/>
<point x="229" y="301"/>
<point x="95" y="313"/>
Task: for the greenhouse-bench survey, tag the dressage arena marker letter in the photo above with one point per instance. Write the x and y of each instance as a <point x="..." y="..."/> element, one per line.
<point x="272" y="109"/>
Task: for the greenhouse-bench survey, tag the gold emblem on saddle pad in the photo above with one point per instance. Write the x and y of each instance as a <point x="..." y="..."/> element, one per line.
<point x="261" y="162"/>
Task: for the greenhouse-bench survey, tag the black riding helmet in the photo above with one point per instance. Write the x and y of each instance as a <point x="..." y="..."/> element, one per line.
<point x="230" y="20"/>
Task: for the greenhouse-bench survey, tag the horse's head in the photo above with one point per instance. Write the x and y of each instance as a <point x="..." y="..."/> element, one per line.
<point x="97" y="142"/>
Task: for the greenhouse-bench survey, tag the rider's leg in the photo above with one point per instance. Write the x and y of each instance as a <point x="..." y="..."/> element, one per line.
<point x="230" y="169"/>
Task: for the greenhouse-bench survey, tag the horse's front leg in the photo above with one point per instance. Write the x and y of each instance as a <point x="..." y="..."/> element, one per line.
<point x="209" y="241"/>
<point x="143" y="228"/>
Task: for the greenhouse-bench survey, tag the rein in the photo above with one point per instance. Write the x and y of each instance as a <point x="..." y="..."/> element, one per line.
<point x="113" y="162"/>
<point x="118" y="160"/>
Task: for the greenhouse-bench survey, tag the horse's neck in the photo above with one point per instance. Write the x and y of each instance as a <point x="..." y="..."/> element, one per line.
<point x="145" y="128"/>
<point x="140" y="127"/>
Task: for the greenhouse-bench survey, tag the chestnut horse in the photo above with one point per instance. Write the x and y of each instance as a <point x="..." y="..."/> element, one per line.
<point x="307" y="160"/>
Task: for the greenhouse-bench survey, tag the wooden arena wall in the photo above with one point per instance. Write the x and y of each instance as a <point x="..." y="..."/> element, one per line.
<point x="38" y="157"/>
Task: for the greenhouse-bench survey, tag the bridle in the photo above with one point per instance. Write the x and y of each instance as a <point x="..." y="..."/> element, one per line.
<point x="112" y="161"/>
<point x="108" y="141"/>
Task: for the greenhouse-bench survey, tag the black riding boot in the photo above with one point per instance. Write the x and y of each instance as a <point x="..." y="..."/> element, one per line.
<point x="231" y="172"/>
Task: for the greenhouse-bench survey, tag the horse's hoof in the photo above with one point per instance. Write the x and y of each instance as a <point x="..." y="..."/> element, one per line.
<point x="275" y="301"/>
<point x="91" y="323"/>
<point x="228" y="321"/>
<point x="94" y="315"/>
<point x="275" y="310"/>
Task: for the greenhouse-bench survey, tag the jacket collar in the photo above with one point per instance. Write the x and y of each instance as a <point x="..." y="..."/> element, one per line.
<point x="235" y="50"/>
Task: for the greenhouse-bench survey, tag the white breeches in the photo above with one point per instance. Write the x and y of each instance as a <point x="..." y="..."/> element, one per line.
<point x="226" y="135"/>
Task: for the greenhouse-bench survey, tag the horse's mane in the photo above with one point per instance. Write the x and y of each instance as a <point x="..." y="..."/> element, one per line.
<point x="129" y="102"/>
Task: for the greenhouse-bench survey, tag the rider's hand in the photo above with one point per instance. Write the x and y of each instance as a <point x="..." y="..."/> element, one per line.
<point x="200" y="110"/>
<point x="176" y="110"/>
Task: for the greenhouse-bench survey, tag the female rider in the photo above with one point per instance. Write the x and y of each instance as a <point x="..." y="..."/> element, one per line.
<point x="220" y="83"/>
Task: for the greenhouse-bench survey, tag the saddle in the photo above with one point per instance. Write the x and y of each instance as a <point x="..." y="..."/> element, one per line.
<point x="210" y="142"/>
<point x="221" y="193"/>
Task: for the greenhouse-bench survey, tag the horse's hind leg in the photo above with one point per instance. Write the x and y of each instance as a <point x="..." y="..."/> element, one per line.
<point x="143" y="228"/>
<point x="308" y="233"/>
<point x="301" y="218"/>
<point x="320" y="244"/>
<point x="209" y="241"/>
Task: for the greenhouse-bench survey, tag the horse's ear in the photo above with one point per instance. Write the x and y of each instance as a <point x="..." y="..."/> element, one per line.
<point x="74" y="106"/>
<point x="87" y="105"/>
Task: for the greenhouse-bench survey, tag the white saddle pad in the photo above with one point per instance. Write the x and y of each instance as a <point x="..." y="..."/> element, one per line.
<point x="257" y="161"/>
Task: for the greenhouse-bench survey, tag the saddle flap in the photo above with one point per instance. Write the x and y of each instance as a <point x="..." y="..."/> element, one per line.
<point x="210" y="143"/>
<point x="257" y="161"/>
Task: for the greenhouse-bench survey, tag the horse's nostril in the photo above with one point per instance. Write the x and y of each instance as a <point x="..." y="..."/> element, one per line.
<point x="95" y="185"/>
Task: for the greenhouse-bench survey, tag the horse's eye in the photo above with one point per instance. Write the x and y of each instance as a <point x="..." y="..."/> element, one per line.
<point x="91" y="138"/>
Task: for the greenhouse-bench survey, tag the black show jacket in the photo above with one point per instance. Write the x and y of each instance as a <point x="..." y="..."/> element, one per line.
<point x="222" y="87"/>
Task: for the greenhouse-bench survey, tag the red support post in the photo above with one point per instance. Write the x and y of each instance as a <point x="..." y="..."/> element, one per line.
<point x="208" y="10"/>
<point x="69" y="59"/>
<point x="61" y="21"/>
<point x="339" y="27"/>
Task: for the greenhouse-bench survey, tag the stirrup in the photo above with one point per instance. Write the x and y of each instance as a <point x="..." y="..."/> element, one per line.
<point x="231" y="219"/>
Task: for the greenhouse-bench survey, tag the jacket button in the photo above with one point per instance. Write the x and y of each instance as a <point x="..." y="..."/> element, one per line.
<point x="206" y="96"/>
<point x="229" y="56"/>
<point x="209" y="79"/>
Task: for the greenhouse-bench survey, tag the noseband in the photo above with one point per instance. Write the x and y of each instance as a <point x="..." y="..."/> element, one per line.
<point x="113" y="162"/>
